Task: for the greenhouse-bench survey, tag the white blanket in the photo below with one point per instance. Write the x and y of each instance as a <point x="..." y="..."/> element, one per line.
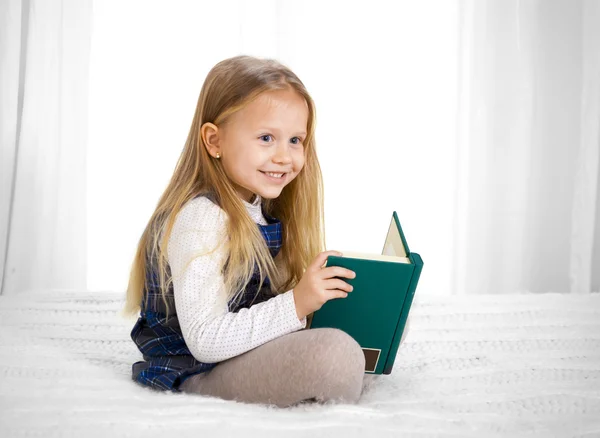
<point x="480" y="366"/>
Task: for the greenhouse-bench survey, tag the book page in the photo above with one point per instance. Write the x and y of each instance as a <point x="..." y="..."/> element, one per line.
<point x="382" y="257"/>
<point x="393" y="245"/>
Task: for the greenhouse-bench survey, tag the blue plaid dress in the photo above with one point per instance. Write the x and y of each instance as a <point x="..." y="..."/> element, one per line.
<point x="167" y="359"/>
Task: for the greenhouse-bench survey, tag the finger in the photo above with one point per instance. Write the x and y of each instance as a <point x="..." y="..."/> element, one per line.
<point x="335" y="293"/>
<point x="320" y="259"/>
<point x="337" y="271"/>
<point x="336" y="283"/>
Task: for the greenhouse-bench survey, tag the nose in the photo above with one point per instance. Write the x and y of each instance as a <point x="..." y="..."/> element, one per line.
<point x="282" y="155"/>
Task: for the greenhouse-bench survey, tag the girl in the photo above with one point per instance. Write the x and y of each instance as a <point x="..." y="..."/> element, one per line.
<point x="230" y="263"/>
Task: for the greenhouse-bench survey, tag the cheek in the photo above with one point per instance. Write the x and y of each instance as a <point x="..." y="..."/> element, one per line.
<point x="298" y="159"/>
<point x="242" y="162"/>
<point x="235" y="169"/>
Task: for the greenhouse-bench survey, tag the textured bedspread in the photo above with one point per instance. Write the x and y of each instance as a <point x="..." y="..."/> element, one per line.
<point x="483" y="366"/>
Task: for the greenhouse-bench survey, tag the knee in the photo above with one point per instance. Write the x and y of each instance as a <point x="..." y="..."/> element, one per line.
<point x="339" y="348"/>
<point x="341" y="363"/>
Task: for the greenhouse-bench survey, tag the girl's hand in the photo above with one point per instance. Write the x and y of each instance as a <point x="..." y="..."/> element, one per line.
<point x="318" y="285"/>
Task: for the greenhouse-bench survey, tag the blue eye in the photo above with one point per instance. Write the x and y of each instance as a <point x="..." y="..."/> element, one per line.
<point x="293" y="140"/>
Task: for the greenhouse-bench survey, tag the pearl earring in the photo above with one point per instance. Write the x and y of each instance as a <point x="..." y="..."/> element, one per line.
<point x="218" y="155"/>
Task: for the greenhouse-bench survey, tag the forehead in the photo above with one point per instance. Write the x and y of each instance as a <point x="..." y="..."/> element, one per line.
<point x="280" y="108"/>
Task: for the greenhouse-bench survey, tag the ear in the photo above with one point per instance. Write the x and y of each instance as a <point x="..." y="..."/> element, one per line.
<point x="210" y="137"/>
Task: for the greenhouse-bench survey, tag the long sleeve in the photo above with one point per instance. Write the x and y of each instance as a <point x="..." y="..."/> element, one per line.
<point x="211" y="332"/>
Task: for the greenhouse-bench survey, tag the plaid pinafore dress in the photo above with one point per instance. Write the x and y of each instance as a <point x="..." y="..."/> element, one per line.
<point x="167" y="359"/>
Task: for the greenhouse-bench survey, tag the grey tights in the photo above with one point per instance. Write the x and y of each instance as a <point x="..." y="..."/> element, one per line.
<point x="320" y="365"/>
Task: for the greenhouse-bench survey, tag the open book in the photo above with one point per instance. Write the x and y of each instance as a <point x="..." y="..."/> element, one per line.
<point x="375" y="312"/>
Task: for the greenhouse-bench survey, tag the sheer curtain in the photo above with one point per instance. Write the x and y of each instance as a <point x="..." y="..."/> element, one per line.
<point x="495" y="180"/>
<point x="528" y="147"/>
<point x="44" y="62"/>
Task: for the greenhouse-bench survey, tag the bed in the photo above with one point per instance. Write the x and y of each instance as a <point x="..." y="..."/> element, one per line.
<point x="472" y="366"/>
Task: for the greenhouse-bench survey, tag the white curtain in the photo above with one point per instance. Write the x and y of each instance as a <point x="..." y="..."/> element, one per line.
<point x="527" y="212"/>
<point x="495" y="180"/>
<point x="44" y="62"/>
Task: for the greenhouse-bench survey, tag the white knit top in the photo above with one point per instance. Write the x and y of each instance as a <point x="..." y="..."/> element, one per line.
<point x="211" y="332"/>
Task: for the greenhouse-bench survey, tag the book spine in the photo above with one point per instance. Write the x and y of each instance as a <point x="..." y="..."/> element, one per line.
<point x="412" y="287"/>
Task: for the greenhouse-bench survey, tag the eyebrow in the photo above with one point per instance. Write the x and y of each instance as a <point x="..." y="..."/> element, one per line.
<point x="266" y="128"/>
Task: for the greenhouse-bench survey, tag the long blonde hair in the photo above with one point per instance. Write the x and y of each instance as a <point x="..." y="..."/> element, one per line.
<point x="230" y="86"/>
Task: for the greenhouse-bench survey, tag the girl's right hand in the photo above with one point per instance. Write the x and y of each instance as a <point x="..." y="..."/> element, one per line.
<point x="318" y="285"/>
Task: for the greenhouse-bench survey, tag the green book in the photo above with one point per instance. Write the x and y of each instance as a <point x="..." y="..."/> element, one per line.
<point x="375" y="312"/>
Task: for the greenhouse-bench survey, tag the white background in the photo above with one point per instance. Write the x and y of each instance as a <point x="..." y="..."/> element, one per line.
<point x="384" y="83"/>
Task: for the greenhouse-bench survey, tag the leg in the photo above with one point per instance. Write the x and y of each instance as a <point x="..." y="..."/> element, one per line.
<point x="322" y="364"/>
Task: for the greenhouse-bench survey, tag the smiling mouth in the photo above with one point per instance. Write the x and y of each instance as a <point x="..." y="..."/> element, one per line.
<point x="274" y="174"/>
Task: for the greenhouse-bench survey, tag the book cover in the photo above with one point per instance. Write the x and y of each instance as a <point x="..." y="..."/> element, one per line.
<point x="375" y="312"/>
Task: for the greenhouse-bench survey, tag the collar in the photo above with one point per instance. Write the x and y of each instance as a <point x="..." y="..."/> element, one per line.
<point x="271" y="230"/>
<point x="254" y="209"/>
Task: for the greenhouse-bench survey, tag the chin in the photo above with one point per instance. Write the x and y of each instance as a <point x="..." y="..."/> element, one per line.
<point x="270" y="195"/>
<point x="270" y="192"/>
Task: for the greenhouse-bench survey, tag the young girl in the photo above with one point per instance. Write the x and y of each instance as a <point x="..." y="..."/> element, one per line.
<point x="230" y="263"/>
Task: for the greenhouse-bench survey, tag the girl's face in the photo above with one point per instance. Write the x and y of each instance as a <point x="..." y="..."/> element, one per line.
<point x="262" y="145"/>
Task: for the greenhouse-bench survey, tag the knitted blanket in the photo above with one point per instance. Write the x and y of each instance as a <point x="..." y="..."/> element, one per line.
<point x="477" y="366"/>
